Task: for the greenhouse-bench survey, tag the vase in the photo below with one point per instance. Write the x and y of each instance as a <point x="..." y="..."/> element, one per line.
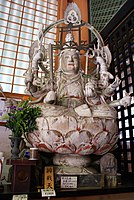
<point x="15" y="144"/>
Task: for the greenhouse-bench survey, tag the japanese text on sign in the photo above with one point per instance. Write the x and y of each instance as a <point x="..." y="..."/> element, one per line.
<point x="49" y="178"/>
<point x="69" y="182"/>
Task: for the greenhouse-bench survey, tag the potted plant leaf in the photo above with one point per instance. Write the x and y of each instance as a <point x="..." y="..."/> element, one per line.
<point x="21" y="120"/>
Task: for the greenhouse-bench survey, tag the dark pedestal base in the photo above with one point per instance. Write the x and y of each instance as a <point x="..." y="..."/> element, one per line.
<point x="77" y="178"/>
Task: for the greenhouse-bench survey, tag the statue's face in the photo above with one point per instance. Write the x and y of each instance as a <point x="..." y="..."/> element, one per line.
<point x="70" y="61"/>
<point x="104" y="80"/>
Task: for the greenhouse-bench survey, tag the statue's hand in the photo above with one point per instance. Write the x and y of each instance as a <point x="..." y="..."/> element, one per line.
<point x="37" y="82"/>
<point x="28" y="78"/>
<point x="28" y="81"/>
<point x="89" y="90"/>
<point x="50" y="97"/>
<point x="126" y="100"/>
<point x="116" y="83"/>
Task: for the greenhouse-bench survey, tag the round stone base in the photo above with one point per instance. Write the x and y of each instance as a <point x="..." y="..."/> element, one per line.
<point x="71" y="160"/>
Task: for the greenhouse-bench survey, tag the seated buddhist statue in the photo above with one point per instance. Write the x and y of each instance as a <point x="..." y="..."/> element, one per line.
<point x="78" y="116"/>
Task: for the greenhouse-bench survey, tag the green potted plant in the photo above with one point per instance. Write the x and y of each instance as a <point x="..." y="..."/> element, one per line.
<point x="21" y="120"/>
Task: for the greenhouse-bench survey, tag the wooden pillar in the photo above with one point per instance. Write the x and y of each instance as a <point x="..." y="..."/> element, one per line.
<point x="61" y="8"/>
<point x="83" y="6"/>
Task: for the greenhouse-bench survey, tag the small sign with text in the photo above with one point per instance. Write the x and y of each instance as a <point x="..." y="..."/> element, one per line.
<point x="48" y="193"/>
<point x="68" y="181"/>
<point x="20" y="197"/>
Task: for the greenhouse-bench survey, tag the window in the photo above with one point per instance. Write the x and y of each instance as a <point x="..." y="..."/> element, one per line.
<point x="122" y="66"/>
<point x="20" y="21"/>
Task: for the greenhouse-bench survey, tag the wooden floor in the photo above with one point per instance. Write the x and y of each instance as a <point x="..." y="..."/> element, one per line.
<point x="122" y="196"/>
<point x="126" y="196"/>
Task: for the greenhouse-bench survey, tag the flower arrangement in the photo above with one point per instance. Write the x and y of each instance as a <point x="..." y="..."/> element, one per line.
<point x="21" y="119"/>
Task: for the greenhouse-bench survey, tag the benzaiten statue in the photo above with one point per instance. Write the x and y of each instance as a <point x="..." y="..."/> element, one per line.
<point x="78" y="117"/>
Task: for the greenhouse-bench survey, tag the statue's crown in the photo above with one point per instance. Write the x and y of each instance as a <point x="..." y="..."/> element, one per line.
<point x="69" y="43"/>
